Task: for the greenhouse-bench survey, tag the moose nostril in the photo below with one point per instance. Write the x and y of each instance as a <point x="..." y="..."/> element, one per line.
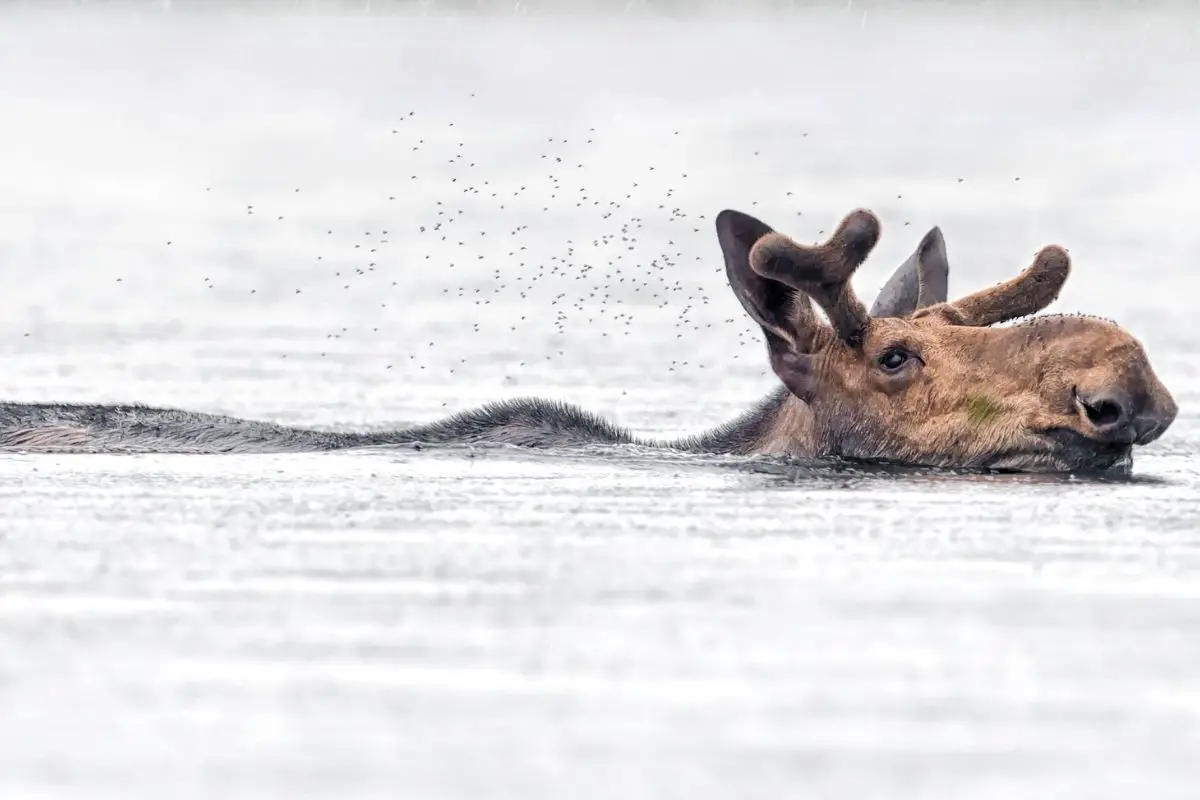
<point x="1103" y="411"/>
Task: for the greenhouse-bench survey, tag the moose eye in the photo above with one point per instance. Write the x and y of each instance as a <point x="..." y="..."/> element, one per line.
<point x="893" y="359"/>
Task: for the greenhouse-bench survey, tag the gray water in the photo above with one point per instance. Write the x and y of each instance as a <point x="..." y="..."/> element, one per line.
<point x="224" y="213"/>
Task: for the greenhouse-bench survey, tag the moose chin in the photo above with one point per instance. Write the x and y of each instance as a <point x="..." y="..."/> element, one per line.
<point x="917" y="380"/>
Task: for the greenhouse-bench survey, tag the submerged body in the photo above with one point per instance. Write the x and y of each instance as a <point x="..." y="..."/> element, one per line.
<point x="779" y="424"/>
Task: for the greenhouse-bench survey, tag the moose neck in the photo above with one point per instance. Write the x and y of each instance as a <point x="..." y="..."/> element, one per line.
<point x="781" y="424"/>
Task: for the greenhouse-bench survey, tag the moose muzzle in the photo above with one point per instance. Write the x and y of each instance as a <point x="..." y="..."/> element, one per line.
<point x="1137" y="410"/>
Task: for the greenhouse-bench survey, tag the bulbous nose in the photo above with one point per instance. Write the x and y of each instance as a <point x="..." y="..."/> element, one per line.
<point x="1118" y="415"/>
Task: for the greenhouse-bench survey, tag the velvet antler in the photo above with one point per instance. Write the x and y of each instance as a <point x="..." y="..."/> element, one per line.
<point x="1028" y="293"/>
<point x="823" y="271"/>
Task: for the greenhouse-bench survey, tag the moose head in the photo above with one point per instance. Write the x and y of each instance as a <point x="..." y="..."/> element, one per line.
<point x="920" y="380"/>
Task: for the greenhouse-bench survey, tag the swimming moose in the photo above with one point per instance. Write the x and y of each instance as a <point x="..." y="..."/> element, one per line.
<point x="918" y="380"/>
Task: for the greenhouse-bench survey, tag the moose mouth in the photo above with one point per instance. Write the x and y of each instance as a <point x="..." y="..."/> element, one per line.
<point x="1052" y="451"/>
<point x="1055" y="451"/>
<point x="1062" y="450"/>
<point x="1072" y="451"/>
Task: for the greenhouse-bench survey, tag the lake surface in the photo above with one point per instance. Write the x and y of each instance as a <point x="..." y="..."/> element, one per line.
<point x="376" y="220"/>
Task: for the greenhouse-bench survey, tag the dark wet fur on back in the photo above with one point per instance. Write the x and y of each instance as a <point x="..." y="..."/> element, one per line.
<point x="527" y="422"/>
<point x="524" y="422"/>
<point x="54" y="427"/>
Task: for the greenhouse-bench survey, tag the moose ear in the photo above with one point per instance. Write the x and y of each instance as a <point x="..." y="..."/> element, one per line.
<point x="794" y="369"/>
<point x="919" y="282"/>
<point x="766" y="301"/>
<point x="785" y="314"/>
<point x="781" y="311"/>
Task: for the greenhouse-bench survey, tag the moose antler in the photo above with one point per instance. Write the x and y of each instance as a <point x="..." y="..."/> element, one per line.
<point x="823" y="271"/>
<point x="1031" y="291"/>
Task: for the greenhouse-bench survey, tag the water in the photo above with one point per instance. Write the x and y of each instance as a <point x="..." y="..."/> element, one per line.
<point x="444" y="623"/>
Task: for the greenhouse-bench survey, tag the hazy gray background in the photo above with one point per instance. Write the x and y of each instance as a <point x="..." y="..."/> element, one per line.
<point x="225" y="212"/>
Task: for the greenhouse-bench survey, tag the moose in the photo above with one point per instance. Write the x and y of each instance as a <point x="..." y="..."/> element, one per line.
<point x="917" y="380"/>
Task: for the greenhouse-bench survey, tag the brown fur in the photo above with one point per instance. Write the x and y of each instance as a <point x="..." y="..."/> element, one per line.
<point x="1053" y="393"/>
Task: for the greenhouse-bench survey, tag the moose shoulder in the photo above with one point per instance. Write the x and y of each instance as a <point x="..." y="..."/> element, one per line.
<point x="917" y="380"/>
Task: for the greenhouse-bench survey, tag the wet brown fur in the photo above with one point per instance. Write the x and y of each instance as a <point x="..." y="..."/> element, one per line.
<point x="969" y="395"/>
